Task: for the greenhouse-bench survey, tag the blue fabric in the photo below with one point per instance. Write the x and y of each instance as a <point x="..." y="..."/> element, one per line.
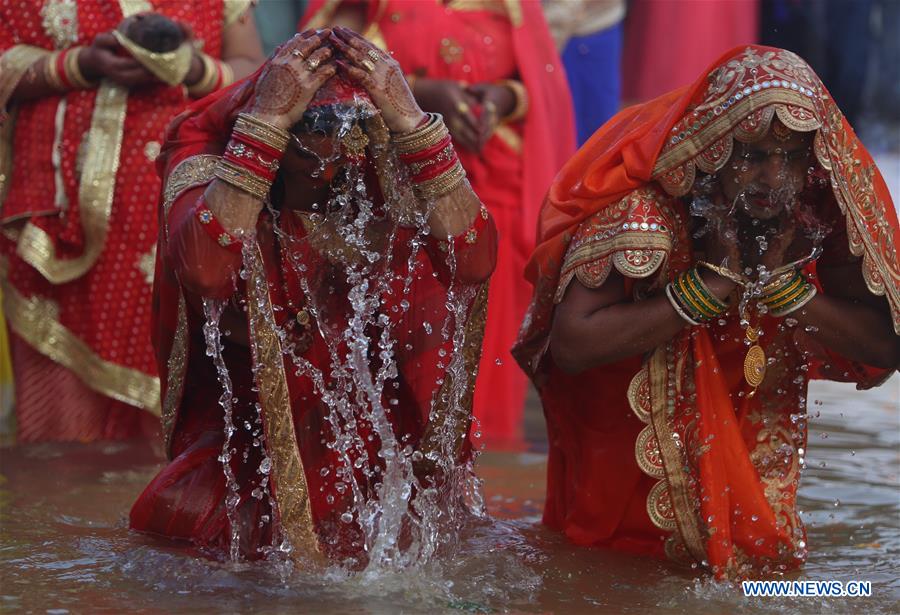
<point x="593" y="65"/>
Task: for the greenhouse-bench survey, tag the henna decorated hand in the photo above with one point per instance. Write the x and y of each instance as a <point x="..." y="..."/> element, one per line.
<point x="382" y="77"/>
<point x="292" y="77"/>
<point x="457" y="105"/>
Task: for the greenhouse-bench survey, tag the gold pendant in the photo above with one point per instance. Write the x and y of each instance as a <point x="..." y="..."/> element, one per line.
<point x="754" y="361"/>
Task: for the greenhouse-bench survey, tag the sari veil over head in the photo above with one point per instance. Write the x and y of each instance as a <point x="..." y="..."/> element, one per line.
<point x="427" y="400"/>
<point x="708" y="449"/>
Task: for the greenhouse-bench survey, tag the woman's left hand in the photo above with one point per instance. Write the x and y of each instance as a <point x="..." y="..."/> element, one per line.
<point x="382" y="77"/>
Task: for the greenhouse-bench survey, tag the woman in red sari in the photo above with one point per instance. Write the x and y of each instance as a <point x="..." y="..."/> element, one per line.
<point x="680" y="311"/>
<point x="84" y="105"/>
<point x="490" y="67"/>
<point x="339" y="369"/>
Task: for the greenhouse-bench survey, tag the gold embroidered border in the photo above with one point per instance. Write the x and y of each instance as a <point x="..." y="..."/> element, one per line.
<point x="510" y="137"/>
<point x="95" y="193"/>
<point x="288" y="476"/>
<point x="132" y="7"/>
<point x="36" y="321"/>
<point x="440" y="415"/>
<point x="177" y="367"/>
<point x="723" y="124"/>
<point x="189" y="173"/>
<point x="676" y="477"/>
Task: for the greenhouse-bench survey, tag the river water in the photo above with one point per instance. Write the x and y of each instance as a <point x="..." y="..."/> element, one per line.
<point x="65" y="546"/>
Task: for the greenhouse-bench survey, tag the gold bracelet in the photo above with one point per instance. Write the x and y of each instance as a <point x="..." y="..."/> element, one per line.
<point x="725" y="273"/>
<point x="51" y="72"/>
<point x="422" y="138"/>
<point x="443" y="184"/>
<point x="692" y="299"/>
<point x="207" y="81"/>
<point x="521" y="94"/>
<point x="261" y="131"/>
<point x="243" y="179"/>
<point x="227" y="74"/>
<point x="73" y="71"/>
<point x="798" y="303"/>
<point x="789" y="286"/>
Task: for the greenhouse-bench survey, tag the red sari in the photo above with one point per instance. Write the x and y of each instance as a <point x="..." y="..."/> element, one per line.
<point x="667" y="453"/>
<point x="77" y="210"/>
<point x="279" y="408"/>
<point x="475" y="42"/>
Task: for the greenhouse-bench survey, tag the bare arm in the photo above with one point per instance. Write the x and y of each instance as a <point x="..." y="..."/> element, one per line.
<point x="593" y="327"/>
<point x="850" y="320"/>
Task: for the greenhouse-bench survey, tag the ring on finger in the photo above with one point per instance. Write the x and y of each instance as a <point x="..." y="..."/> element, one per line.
<point x="367" y="64"/>
<point x="463" y="107"/>
<point x="373" y="55"/>
<point x="312" y="64"/>
<point x="297" y="53"/>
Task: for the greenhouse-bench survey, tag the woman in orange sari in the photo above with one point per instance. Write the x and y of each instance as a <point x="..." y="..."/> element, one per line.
<point x="700" y="259"/>
<point x="490" y="67"/>
<point x="86" y="90"/>
<point x="318" y="323"/>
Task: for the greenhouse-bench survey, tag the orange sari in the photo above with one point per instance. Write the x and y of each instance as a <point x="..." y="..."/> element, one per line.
<point x="667" y="454"/>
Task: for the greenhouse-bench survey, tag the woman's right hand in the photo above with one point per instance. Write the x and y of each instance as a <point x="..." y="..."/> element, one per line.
<point x="101" y="60"/>
<point x="291" y="79"/>
<point x="452" y="101"/>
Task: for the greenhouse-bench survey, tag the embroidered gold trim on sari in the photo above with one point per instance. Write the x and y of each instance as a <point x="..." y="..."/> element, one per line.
<point x="288" y="476"/>
<point x="189" y="173"/>
<point x="442" y="421"/>
<point x="36" y="320"/>
<point x="177" y="367"/>
<point x="95" y="193"/>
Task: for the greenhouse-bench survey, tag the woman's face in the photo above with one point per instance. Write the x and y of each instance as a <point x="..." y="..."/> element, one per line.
<point x="305" y="155"/>
<point x="765" y="177"/>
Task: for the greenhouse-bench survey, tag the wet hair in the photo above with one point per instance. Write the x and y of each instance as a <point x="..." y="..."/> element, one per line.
<point x="154" y="32"/>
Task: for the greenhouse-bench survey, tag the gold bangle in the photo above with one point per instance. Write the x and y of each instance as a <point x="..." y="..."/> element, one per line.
<point x="792" y="295"/>
<point x="258" y="130"/>
<point x="521" y="94"/>
<point x="227" y="74"/>
<point x="693" y="296"/>
<point x="73" y="71"/>
<point x="441" y="185"/>
<point x="207" y="81"/>
<point x="788" y="287"/>
<point x="422" y="138"/>
<point x="243" y="179"/>
<point x="799" y="303"/>
<point x="725" y="273"/>
<point x="708" y="296"/>
<point x="51" y="72"/>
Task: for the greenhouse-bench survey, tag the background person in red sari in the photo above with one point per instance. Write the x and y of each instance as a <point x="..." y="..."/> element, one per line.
<point x="491" y="69"/>
<point x="667" y="42"/>
<point x="700" y="259"/>
<point x="85" y="102"/>
<point x="339" y="377"/>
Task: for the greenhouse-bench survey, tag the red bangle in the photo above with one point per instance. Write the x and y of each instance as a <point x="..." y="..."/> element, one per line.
<point x="246" y="154"/>
<point x="215" y="230"/>
<point x="426" y="153"/>
<point x="435" y="169"/>
<point x="61" y="70"/>
<point x="468" y="237"/>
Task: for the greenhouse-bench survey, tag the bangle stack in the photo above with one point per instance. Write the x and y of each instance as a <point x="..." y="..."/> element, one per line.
<point x="692" y="299"/>
<point x="253" y="155"/>
<point x="63" y="73"/>
<point x="429" y="155"/>
<point x="216" y="75"/>
<point x="787" y="294"/>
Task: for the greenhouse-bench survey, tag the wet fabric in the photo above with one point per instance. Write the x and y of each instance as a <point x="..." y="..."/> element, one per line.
<point x="277" y="321"/>
<point x="668" y="454"/>
<point x="475" y="42"/>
